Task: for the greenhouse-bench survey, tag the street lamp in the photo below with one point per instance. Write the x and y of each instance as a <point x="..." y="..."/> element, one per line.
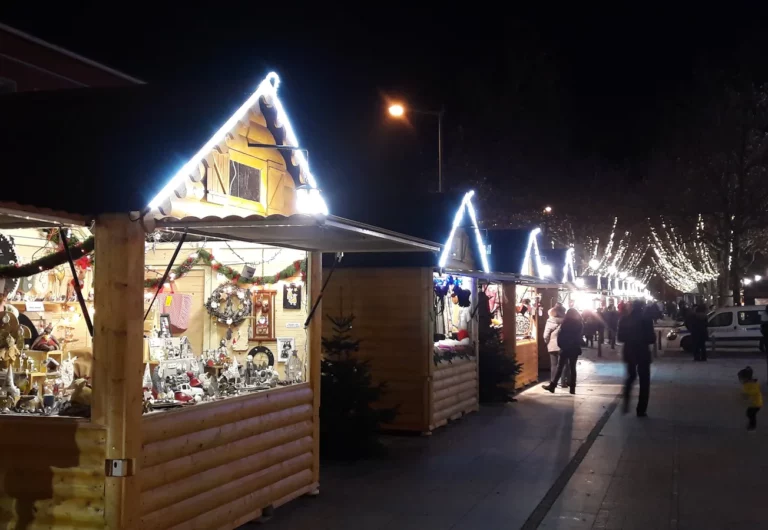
<point x="758" y="277"/>
<point x="548" y="209"/>
<point x="398" y="110"/>
<point x="747" y="281"/>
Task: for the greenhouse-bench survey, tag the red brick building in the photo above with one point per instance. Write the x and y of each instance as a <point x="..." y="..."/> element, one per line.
<point x="28" y="63"/>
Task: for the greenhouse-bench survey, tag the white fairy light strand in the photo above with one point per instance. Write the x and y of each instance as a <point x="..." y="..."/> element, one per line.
<point x="267" y="89"/>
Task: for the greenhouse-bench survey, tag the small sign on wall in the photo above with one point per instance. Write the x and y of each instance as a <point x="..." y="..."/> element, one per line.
<point x="293" y="325"/>
<point x="35" y="306"/>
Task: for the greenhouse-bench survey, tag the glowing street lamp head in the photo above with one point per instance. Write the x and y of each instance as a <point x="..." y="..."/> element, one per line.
<point x="396" y="110"/>
<point x="758" y="277"/>
<point x="747" y="281"/>
<point x="594" y="263"/>
<point x="547" y="209"/>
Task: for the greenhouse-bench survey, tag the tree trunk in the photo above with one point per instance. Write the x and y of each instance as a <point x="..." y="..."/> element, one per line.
<point x="734" y="273"/>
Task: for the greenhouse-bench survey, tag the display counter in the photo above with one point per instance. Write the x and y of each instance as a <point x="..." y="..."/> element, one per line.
<point x="226" y="460"/>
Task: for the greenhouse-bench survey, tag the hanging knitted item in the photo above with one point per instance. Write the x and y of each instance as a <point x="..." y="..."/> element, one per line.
<point x="179" y="307"/>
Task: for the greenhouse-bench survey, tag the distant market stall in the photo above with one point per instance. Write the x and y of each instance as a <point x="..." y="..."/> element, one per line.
<point x="416" y="314"/>
<point x="520" y="285"/>
<point x="184" y="233"/>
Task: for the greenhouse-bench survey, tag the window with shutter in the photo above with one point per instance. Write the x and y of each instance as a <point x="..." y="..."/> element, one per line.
<point x="244" y="181"/>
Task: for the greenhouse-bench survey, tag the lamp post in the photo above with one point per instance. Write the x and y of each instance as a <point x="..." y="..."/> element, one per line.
<point x="398" y="110"/>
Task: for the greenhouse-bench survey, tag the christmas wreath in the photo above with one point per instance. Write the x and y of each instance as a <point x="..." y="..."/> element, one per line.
<point x="221" y="304"/>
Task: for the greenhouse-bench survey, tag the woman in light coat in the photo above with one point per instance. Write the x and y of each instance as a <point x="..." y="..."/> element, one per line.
<point x="551" y="331"/>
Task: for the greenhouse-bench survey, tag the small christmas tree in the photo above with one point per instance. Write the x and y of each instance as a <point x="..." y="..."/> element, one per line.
<point x="497" y="369"/>
<point x="348" y="423"/>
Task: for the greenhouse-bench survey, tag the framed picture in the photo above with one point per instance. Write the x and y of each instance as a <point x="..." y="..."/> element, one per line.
<point x="165" y="325"/>
<point x="291" y="296"/>
<point x="285" y="347"/>
<point x="263" y="323"/>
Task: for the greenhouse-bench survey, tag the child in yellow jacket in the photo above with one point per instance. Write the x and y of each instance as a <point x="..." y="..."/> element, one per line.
<point x="751" y="390"/>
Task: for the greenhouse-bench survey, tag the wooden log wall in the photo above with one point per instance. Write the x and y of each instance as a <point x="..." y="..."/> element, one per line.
<point x="51" y="473"/>
<point x="527" y="352"/>
<point x="454" y="390"/>
<point x="219" y="465"/>
<point x="392" y="307"/>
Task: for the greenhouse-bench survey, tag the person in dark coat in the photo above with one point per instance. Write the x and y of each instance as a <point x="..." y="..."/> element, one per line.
<point x="600" y="325"/>
<point x="697" y="324"/>
<point x="611" y="317"/>
<point x="636" y="332"/>
<point x="590" y="327"/>
<point x="569" y="340"/>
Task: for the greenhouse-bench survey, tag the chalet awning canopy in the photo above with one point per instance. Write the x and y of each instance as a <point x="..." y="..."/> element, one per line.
<point x="508" y="277"/>
<point x="301" y="232"/>
<point x="13" y="215"/>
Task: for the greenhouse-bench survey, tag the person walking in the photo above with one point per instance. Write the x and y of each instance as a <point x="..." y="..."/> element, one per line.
<point x="751" y="390"/>
<point x="551" y="332"/>
<point x="611" y="318"/>
<point x="696" y="322"/>
<point x="569" y="340"/>
<point x="600" y="315"/>
<point x="636" y="332"/>
<point x="590" y="327"/>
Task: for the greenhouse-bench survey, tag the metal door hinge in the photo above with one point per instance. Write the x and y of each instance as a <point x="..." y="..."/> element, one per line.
<point x="118" y="468"/>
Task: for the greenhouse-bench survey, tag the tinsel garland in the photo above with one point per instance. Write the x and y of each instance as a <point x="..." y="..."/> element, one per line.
<point x="298" y="267"/>
<point x="47" y="262"/>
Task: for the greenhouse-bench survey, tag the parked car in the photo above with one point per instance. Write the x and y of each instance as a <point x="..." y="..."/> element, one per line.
<point x="728" y="327"/>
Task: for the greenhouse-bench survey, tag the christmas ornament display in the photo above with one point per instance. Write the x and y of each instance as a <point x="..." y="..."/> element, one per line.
<point x="229" y="304"/>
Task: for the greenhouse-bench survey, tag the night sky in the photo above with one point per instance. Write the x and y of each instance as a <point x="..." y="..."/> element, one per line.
<point x="538" y="105"/>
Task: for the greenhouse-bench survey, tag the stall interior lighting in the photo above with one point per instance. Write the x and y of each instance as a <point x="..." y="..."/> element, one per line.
<point x="268" y="87"/>
<point x="466" y="204"/>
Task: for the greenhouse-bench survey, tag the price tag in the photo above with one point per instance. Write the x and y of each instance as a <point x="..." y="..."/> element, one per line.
<point x="35" y="306"/>
<point x="293" y="325"/>
<point x="168" y="300"/>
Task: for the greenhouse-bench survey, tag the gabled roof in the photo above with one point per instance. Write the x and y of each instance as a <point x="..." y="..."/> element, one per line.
<point x="428" y="216"/>
<point x="510" y="248"/>
<point x="90" y="151"/>
<point x="561" y="262"/>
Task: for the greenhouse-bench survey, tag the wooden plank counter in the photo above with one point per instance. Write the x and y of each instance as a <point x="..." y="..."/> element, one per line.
<point x="51" y="473"/>
<point x="222" y="463"/>
<point x="527" y="353"/>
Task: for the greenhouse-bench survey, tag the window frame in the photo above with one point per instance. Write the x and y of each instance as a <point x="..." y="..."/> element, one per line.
<point x="730" y="322"/>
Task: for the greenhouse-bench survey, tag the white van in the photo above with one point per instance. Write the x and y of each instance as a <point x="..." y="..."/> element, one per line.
<point x="728" y="327"/>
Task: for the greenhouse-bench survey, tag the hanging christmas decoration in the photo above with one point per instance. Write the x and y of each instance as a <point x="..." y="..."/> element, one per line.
<point x="229" y="304"/>
<point x="296" y="269"/>
<point x="47" y="262"/>
<point x="8" y="259"/>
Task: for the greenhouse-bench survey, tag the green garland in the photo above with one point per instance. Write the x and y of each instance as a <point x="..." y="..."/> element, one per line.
<point x="47" y="262"/>
<point x="298" y="267"/>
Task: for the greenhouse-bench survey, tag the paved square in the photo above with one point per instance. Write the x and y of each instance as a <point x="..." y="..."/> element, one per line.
<point x="690" y="465"/>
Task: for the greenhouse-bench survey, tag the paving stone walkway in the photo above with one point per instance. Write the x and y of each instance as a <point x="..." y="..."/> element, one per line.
<point x="689" y="465"/>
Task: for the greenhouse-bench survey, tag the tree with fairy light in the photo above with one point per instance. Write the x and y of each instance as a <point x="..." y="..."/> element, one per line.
<point x="714" y="174"/>
<point x="349" y="424"/>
